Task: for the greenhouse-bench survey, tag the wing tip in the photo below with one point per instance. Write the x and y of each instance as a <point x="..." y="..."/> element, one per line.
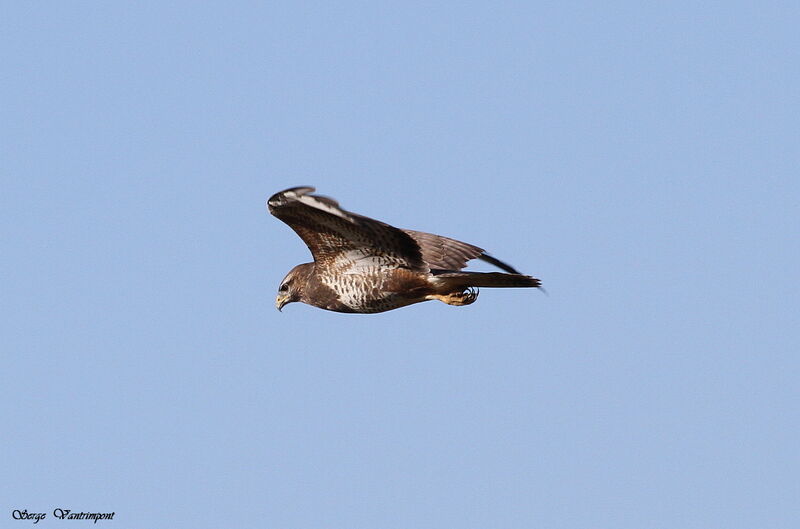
<point x="301" y="196"/>
<point x="282" y="197"/>
<point x="498" y="263"/>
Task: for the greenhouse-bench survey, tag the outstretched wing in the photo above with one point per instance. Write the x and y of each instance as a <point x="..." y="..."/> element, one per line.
<point x="443" y="253"/>
<point x="335" y="236"/>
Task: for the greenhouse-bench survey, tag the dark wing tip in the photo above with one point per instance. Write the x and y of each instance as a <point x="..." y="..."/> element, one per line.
<point x="302" y="199"/>
<point x="287" y="195"/>
<point x="498" y="263"/>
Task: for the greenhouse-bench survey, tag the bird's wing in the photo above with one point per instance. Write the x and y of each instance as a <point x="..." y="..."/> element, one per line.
<point x="335" y="235"/>
<point x="443" y="253"/>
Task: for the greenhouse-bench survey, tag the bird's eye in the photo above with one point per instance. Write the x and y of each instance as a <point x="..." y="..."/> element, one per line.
<point x="284" y="287"/>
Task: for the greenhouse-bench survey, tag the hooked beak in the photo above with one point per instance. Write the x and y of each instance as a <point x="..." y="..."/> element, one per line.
<point x="280" y="301"/>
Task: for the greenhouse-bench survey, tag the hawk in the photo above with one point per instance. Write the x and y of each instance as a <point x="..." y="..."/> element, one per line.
<point x="363" y="265"/>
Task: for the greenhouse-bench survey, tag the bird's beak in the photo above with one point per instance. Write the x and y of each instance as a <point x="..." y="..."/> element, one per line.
<point x="280" y="301"/>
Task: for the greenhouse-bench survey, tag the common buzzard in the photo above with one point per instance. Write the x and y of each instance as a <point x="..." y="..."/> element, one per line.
<point x="366" y="266"/>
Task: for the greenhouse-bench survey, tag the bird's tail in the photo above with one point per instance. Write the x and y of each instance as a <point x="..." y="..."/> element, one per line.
<point x="457" y="280"/>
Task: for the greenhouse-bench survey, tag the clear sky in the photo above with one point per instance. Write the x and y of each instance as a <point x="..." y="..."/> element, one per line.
<point x="641" y="158"/>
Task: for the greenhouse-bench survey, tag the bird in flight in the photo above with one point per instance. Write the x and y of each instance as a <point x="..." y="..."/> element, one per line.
<point x="362" y="265"/>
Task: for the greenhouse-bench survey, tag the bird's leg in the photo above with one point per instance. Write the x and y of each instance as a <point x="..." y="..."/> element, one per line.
<point x="458" y="298"/>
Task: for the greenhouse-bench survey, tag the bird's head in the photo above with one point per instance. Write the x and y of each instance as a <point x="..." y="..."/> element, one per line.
<point x="291" y="288"/>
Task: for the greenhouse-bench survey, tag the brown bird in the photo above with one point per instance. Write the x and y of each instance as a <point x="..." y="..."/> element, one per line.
<point x="366" y="266"/>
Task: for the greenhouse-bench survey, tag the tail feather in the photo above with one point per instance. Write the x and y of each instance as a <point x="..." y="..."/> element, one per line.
<point x="487" y="279"/>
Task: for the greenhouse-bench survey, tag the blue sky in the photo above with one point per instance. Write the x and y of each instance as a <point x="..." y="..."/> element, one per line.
<point x="640" y="158"/>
